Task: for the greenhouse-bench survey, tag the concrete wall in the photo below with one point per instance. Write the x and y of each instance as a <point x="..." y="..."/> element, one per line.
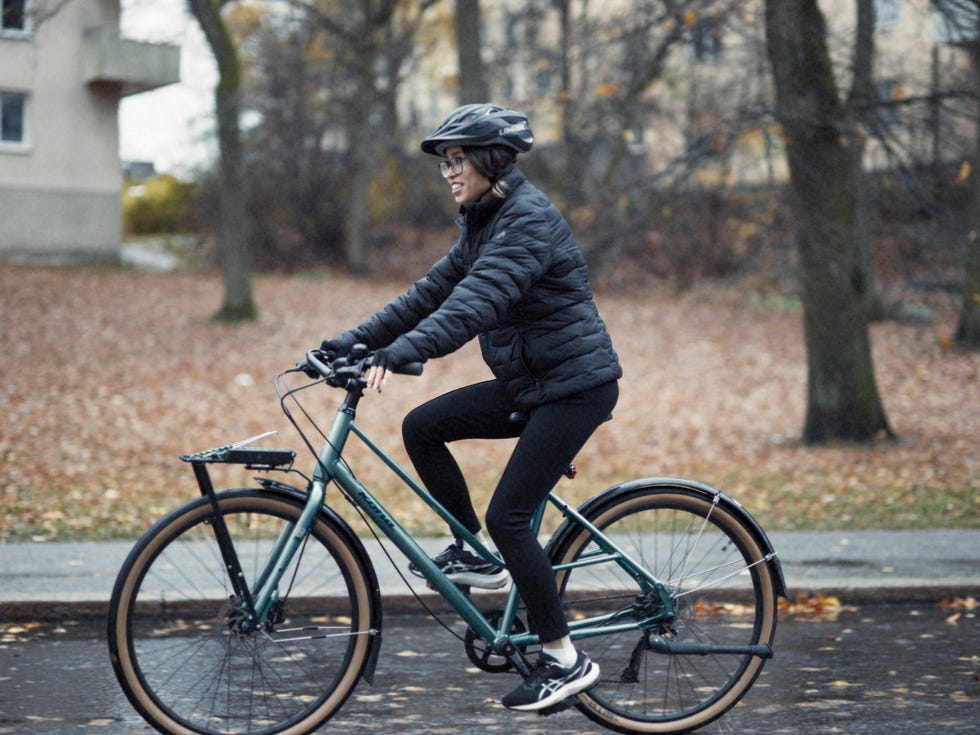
<point x="60" y="191"/>
<point x="59" y="223"/>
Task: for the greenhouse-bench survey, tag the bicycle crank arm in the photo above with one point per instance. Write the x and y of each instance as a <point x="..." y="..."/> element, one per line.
<point x="515" y="656"/>
<point x="659" y="644"/>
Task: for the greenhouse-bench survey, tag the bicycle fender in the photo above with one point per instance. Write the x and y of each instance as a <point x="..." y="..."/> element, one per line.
<point x="333" y="519"/>
<point x="727" y="502"/>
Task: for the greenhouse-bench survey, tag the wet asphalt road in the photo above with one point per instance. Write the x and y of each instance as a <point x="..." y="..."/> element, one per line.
<point x="886" y="670"/>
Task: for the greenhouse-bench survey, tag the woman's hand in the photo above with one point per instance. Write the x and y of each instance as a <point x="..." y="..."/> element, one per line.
<point x="377" y="374"/>
<point x="376" y="377"/>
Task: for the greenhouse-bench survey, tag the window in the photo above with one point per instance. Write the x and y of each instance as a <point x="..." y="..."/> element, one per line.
<point x="14" y="15"/>
<point x="887" y="14"/>
<point x="13" y="117"/>
<point x="886" y="117"/>
<point x="706" y="40"/>
<point x="543" y="78"/>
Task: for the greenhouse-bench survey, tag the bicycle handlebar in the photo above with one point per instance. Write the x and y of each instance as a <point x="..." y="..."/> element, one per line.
<point x="313" y="361"/>
<point x="338" y="370"/>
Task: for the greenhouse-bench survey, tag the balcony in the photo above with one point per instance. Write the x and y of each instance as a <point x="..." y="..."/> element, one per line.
<point x="136" y="66"/>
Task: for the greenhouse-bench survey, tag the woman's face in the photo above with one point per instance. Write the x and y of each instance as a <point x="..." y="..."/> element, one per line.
<point x="469" y="185"/>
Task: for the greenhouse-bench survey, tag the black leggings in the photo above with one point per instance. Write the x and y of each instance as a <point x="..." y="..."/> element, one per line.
<point x="549" y="440"/>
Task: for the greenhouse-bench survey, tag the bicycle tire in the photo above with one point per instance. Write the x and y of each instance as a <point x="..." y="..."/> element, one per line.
<point x="724" y="590"/>
<point x="187" y="668"/>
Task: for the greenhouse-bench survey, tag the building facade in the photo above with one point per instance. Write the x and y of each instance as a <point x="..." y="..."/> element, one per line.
<point x="714" y="91"/>
<point x="63" y="70"/>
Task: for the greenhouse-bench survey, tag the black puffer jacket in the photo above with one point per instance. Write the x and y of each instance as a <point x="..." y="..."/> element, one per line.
<point x="517" y="279"/>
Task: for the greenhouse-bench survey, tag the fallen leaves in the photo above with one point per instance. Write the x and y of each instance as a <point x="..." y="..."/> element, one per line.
<point x="708" y="608"/>
<point x="13" y="632"/>
<point x="961" y="608"/>
<point x="18" y="632"/>
<point x="813" y="607"/>
<point x="109" y="375"/>
<point x="961" y="604"/>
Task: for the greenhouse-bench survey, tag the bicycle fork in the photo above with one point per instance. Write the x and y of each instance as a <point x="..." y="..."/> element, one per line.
<point x="259" y="598"/>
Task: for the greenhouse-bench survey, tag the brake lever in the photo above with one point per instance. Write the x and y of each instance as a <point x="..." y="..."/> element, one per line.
<point x="313" y="360"/>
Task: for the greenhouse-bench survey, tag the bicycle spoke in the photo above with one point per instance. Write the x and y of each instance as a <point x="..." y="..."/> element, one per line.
<point x="192" y="658"/>
<point x="722" y="597"/>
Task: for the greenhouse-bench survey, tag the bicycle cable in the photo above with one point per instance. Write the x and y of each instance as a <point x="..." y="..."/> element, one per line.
<point x="394" y="564"/>
<point x="284" y="392"/>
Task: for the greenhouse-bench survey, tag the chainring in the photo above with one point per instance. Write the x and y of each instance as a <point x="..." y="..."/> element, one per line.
<point x="482" y="654"/>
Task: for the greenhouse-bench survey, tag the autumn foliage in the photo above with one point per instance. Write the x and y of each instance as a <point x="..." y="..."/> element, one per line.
<point x="109" y="375"/>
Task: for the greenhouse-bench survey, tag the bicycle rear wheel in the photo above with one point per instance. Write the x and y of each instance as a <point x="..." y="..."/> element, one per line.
<point x="183" y="659"/>
<point x="720" y="583"/>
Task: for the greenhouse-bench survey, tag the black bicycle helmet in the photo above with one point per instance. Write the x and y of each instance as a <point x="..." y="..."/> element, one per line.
<point x="481" y="125"/>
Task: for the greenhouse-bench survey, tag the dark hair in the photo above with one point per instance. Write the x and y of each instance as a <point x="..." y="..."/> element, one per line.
<point x="491" y="161"/>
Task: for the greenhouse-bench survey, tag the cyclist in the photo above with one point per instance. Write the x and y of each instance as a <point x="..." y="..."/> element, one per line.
<point x="517" y="280"/>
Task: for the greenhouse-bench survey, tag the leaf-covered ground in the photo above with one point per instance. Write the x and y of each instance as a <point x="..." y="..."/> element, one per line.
<point x="108" y="375"/>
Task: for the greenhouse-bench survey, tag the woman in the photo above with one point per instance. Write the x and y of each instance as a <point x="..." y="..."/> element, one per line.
<point x="516" y="280"/>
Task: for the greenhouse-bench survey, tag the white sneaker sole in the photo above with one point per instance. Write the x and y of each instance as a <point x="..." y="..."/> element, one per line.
<point x="483" y="581"/>
<point x="570" y="689"/>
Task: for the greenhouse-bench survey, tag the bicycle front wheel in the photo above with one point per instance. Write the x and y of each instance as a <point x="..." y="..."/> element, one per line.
<point x="179" y="648"/>
<point x="724" y="595"/>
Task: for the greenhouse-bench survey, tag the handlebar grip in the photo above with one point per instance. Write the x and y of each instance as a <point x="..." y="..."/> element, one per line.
<point x="411" y="368"/>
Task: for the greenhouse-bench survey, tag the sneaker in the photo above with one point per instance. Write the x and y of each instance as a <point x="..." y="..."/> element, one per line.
<point x="548" y="683"/>
<point x="465" y="567"/>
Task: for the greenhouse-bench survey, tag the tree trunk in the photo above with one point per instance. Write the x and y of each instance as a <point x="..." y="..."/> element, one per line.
<point x="862" y="98"/>
<point x="233" y="245"/>
<point x="968" y="330"/>
<point x="362" y="28"/>
<point x="472" y="82"/>
<point x="824" y="154"/>
<point x="359" y="157"/>
<point x="574" y="151"/>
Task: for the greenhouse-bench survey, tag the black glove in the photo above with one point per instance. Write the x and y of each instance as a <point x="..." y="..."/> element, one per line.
<point x="384" y="359"/>
<point x="334" y="347"/>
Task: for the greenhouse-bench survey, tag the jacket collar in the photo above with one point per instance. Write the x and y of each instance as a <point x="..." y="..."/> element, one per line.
<point x="477" y="213"/>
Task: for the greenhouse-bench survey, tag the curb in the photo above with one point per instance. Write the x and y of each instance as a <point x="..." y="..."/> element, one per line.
<point x="73" y="580"/>
<point x="406" y="604"/>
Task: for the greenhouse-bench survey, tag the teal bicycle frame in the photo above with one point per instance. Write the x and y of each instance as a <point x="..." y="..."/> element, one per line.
<point x="330" y="467"/>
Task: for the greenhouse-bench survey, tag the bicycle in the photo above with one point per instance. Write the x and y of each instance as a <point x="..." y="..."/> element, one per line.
<point x="258" y="610"/>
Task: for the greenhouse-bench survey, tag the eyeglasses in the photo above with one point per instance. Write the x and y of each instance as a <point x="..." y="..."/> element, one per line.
<point x="454" y="165"/>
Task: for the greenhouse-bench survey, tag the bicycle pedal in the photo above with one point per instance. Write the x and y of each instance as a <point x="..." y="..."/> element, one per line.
<point x="561" y="706"/>
<point x="566" y="703"/>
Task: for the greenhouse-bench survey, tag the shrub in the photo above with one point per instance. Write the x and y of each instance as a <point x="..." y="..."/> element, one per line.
<point x="160" y="205"/>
